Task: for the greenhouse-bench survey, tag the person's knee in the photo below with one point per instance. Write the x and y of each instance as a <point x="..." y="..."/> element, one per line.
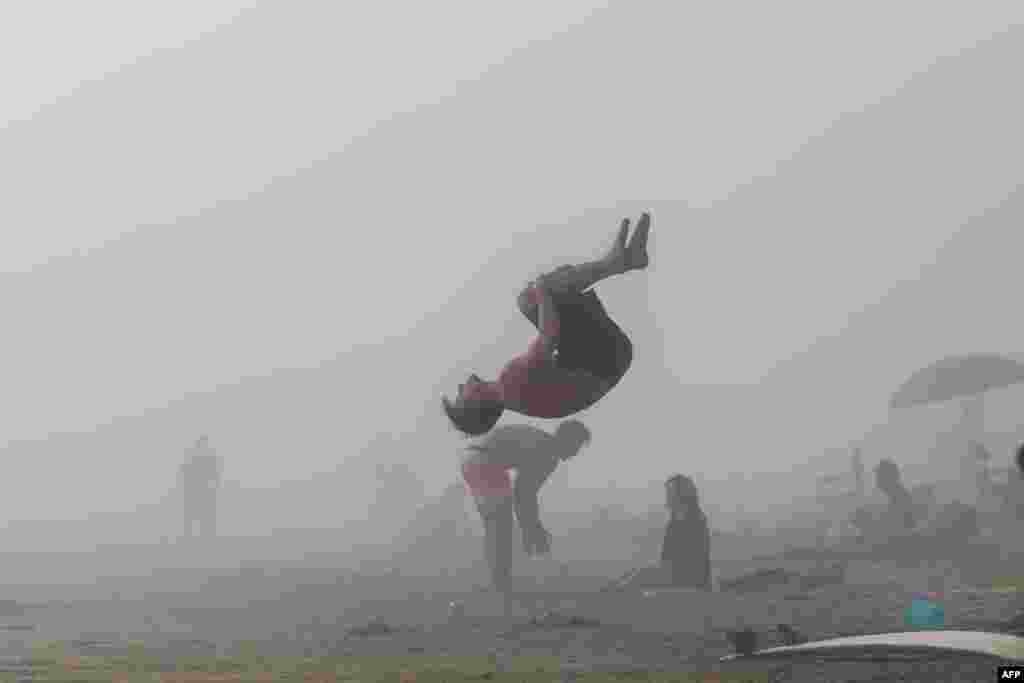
<point x="626" y="350"/>
<point x="527" y="300"/>
<point x="623" y="355"/>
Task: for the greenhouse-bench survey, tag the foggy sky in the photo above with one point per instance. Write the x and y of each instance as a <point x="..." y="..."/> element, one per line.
<point x="276" y="232"/>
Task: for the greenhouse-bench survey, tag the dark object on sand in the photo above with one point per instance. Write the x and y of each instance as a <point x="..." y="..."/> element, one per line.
<point x="790" y="636"/>
<point x="744" y="642"/>
<point x="1014" y="625"/>
<point x="955" y="522"/>
<point x="557" y="620"/>
<point x="374" y="628"/>
<point x="826" y="576"/>
<point x="766" y="579"/>
<point x="762" y="579"/>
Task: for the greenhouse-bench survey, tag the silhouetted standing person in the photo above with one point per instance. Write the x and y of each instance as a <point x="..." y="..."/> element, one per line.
<point x="686" y="551"/>
<point x="858" y="474"/>
<point x="1013" y="496"/>
<point x="983" y="476"/>
<point x="901" y="516"/>
<point x="201" y="478"/>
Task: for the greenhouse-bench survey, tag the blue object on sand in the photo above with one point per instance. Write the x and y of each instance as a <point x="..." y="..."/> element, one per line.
<point x="925" y="612"/>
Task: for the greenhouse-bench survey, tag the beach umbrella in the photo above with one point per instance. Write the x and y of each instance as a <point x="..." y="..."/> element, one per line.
<point x="968" y="378"/>
<point x="958" y="377"/>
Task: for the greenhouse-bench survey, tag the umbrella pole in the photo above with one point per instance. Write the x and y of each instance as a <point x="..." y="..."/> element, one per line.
<point x="972" y="426"/>
<point x="967" y="471"/>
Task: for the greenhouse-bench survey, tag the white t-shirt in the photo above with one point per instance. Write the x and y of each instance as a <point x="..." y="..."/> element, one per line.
<point x="531" y="452"/>
<point x="515" y="446"/>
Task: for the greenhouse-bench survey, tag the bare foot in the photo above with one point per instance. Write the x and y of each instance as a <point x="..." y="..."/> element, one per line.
<point x="637" y="257"/>
<point x="618" y="256"/>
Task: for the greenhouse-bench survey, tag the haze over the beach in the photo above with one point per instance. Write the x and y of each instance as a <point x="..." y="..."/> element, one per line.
<point x="293" y="225"/>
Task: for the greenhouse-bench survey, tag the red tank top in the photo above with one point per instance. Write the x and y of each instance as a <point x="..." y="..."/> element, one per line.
<point x="537" y="398"/>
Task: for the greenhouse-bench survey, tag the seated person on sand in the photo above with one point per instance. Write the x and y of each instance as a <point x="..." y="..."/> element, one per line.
<point x="534" y="455"/>
<point x="686" y="550"/>
<point x="897" y="517"/>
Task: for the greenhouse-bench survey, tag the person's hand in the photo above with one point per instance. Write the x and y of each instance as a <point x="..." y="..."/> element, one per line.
<point x="536" y="541"/>
<point x="544" y="541"/>
<point x="528" y="542"/>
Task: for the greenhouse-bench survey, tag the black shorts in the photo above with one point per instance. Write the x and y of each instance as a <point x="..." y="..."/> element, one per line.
<point x="588" y="338"/>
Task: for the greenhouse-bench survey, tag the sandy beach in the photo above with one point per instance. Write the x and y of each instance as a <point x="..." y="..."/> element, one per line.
<point x="318" y="611"/>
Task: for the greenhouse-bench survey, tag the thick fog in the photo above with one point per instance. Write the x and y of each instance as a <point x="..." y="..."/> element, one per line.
<point x="292" y="227"/>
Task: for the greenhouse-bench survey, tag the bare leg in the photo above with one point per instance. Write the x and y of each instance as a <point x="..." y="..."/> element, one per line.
<point x="620" y="259"/>
<point x="637" y="257"/>
<point x="499" y="540"/>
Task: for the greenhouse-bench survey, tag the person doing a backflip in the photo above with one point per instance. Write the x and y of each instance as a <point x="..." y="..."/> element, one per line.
<point x="579" y="355"/>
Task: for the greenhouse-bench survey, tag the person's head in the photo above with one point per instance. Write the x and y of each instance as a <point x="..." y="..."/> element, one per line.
<point x="979" y="451"/>
<point x="681" y="492"/>
<point x="887" y="476"/>
<point x="476" y="409"/>
<point x="1020" y="459"/>
<point x="574" y="435"/>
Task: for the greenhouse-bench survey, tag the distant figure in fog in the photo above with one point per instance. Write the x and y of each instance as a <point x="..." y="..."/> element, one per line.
<point x="983" y="459"/>
<point x="987" y="499"/>
<point x="686" y="551"/>
<point x="200" y="478"/>
<point x="900" y="516"/>
<point x="534" y="455"/>
<point x="1012" y="493"/>
<point x="857" y="465"/>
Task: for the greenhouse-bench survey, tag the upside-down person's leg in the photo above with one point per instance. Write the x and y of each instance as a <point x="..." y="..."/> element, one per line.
<point x="637" y="257"/>
<point x="621" y="258"/>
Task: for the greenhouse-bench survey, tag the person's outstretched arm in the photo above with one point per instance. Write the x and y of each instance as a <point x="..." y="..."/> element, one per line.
<point x="529" y="479"/>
